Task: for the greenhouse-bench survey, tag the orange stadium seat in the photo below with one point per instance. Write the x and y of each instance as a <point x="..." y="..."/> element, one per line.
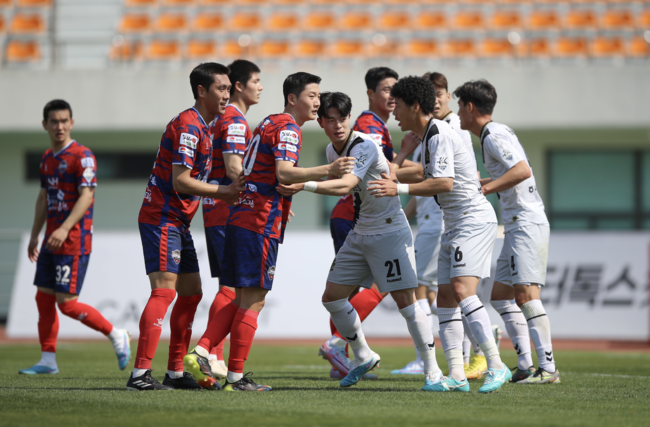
<point x="125" y="51"/>
<point x="207" y="22"/>
<point x="388" y="49"/>
<point x="252" y="2"/>
<point x="170" y="23"/>
<point x="5" y="3"/>
<point x="420" y="48"/>
<point x="638" y="47"/>
<point x="274" y="48"/>
<point x="232" y="49"/>
<point x="394" y="21"/>
<point x="460" y="48"/>
<point x="356" y="21"/>
<point x="163" y="50"/>
<point x="571" y="47"/>
<point x="614" y="19"/>
<point x="23" y="23"/>
<point x="470" y="20"/>
<point x="543" y="20"/>
<point x="310" y="48"/>
<point x="539" y="48"/>
<point x="644" y="20"/>
<point x="491" y="48"/>
<point x="200" y="49"/>
<point x="244" y="21"/>
<point x="319" y="21"/>
<point x="2" y="24"/>
<point x="291" y="2"/>
<point x="140" y="3"/>
<point x="504" y="20"/>
<point x="431" y="20"/>
<point x="135" y="23"/>
<point x="348" y="48"/>
<point x="281" y="21"/>
<point x="580" y="19"/>
<point x="177" y="2"/>
<point x="606" y="47"/>
<point x="22" y="51"/>
<point x="34" y="3"/>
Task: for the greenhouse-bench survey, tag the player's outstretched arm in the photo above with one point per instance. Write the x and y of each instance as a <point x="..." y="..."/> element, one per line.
<point x="185" y="184"/>
<point x="233" y="164"/>
<point x="58" y="236"/>
<point x="410" y="174"/>
<point x="387" y="187"/>
<point x="288" y="173"/>
<point x="331" y="187"/>
<point x="518" y="173"/>
<point x="40" y="216"/>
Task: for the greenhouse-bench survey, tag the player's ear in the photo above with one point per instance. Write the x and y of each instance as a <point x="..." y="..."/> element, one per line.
<point x="239" y="87"/>
<point x="71" y="122"/>
<point x="371" y="93"/>
<point x="44" y="124"/>
<point x="292" y="99"/>
<point x="416" y="107"/>
<point x="320" y="122"/>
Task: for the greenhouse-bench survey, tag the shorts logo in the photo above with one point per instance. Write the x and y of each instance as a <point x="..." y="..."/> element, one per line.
<point x="289" y="136"/>
<point x="389" y="220"/>
<point x="176" y="256"/>
<point x="189" y="140"/>
<point x="237" y="129"/>
<point x="63" y="166"/>
<point x="236" y="139"/>
<point x="271" y="272"/>
<point x="87" y="162"/>
<point x="89" y="174"/>
<point x="333" y="264"/>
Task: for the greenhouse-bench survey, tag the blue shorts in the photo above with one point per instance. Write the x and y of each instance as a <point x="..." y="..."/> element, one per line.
<point x="248" y="259"/>
<point x="340" y="228"/>
<point x="215" y="238"/>
<point x="168" y="248"/>
<point x="62" y="273"/>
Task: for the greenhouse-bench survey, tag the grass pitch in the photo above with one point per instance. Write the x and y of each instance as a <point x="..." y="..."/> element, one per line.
<point x="596" y="389"/>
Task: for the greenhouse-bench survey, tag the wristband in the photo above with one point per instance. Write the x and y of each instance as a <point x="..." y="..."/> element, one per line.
<point x="311" y="186"/>
<point x="402" y="188"/>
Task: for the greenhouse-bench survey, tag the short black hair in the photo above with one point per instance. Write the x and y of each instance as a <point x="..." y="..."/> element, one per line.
<point x="203" y="75"/>
<point x="412" y="89"/>
<point x="241" y="71"/>
<point x="481" y="93"/>
<point x="55" y="105"/>
<point x="295" y="83"/>
<point x="337" y="100"/>
<point x="375" y="75"/>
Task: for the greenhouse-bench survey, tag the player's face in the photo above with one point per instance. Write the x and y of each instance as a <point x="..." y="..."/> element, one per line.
<point x="307" y="103"/>
<point x="465" y="115"/>
<point x="381" y="98"/>
<point x="217" y="96"/>
<point x="253" y="90"/>
<point x="58" y="126"/>
<point x="404" y="115"/>
<point x="441" y="108"/>
<point x="336" y="127"/>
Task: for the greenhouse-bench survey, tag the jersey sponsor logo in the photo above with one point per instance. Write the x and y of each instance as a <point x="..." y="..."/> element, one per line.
<point x="356" y="189"/>
<point x="247" y="201"/>
<point x="63" y="166"/>
<point x="236" y="139"/>
<point x="187" y="151"/>
<point x="153" y="180"/>
<point x="147" y="194"/>
<point x="442" y="163"/>
<point x="271" y="272"/>
<point x="189" y="140"/>
<point x="87" y="162"/>
<point x="289" y="136"/>
<point x="213" y="182"/>
<point x="288" y="147"/>
<point x="378" y="138"/>
<point x="207" y="201"/>
<point x="507" y="154"/>
<point x="237" y="129"/>
<point x="89" y="174"/>
<point x="53" y="183"/>
<point x="176" y="256"/>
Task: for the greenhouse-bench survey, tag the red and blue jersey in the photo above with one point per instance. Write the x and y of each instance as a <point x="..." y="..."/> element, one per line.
<point x="186" y="142"/>
<point x="261" y="208"/>
<point x="230" y="134"/>
<point x="370" y="124"/>
<point x="61" y="176"/>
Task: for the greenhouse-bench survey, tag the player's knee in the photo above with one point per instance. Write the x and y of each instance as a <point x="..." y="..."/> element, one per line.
<point x="68" y="307"/>
<point x="335" y="306"/>
<point x="403" y="298"/>
<point x="522" y="298"/>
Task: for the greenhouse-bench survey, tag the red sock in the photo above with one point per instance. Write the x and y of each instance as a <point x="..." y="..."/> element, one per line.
<point x="181" y="326"/>
<point x="87" y="315"/>
<point x="364" y="302"/>
<point x="241" y="339"/>
<point x="219" y="327"/>
<point x="224" y="297"/>
<point x="151" y="323"/>
<point x="48" y="321"/>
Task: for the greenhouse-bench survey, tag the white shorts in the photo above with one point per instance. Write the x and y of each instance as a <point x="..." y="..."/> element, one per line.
<point x="524" y="255"/>
<point x="466" y="251"/>
<point x="427" y="249"/>
<point x="388" y="258"/>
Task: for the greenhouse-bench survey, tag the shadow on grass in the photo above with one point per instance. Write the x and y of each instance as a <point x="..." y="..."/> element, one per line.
<point x="65" y="388"/>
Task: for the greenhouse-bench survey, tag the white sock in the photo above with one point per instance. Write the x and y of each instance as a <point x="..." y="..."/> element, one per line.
<point x="138" y="372"/>
<point x="420" y="330"/>
<point x="451" y="336"/>
<point x="212" y="356"/>
<point x="336" y="342"/>
<point x="116" y="336"/>
<point x="202" y="351"/>
<point x="434" y="308"/>
<point x="424" y="305"/>
<point x="517" y="329"/>
<point x="540" y="333"/>
<point x="48" y="359"/>
<point x="347" y="322"/>
<point x="479" y="323"/>
<point x="174" y="375"/>
<point x="222" y="364"/>
<point x="233" y="377"/>
<point x="471" y="338"/>
<point x="467" y="348"/>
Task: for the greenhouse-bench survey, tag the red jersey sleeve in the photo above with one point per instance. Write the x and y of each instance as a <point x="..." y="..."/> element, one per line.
<point x="288" y="144"/>
<point x="235" y="136"/>
<point x="184" y="147"/>
<point x="86" y="170"/>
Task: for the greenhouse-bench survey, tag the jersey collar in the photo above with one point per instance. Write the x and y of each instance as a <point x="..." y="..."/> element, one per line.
<point x="447" y="115"/>
<point x="347" y="142"/>
<point x="200" y="117"/>
<point x="426" y="134"/>
<point x="378" y="118"/>
<point x="483" y="129"/>
<point x="63" y="149"/>
<point x="235" y="107"/>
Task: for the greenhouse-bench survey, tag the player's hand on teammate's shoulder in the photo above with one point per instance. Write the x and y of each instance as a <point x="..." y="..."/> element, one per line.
<point x="410" y="142"/>
<point x="32" y="249"/>
<point x="386" y="187"/>
<point x="341" y="166"/>
<point x="56" y="239"/>
<point x="290" y="189"/>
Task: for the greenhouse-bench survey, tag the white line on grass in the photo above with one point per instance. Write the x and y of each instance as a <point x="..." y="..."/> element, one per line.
<point x="608" y="375"/>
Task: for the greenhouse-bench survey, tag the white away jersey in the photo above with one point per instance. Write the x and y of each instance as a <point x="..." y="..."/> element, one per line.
<point x="501" y="151"/>
<point x="427" y="211"/>
<point x="372" y="215"/>
<point x="446" y="156"/>
<point x="453" y="120"/>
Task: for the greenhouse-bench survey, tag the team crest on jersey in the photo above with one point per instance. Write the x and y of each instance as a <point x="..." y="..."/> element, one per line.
<point x="237" y="129"/>
<point x="251" y="187"/>
<point x="176" y="256"/>
<point x="507" y="154"/>
<point x="289" y="136"/>
<point x="442" y="163"/>
<point x="271" y="272"/>
<point x="361" y="160"/>
<point x="89" y="174"/>
<point x="63" y="166"/>
<point x="189" y="140"/>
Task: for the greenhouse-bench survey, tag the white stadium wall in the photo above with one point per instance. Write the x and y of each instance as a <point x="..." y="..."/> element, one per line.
<point x="597" y="289"/>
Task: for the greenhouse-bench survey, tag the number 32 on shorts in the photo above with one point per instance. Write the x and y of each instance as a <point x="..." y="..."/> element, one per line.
<point x="62" y="273"/>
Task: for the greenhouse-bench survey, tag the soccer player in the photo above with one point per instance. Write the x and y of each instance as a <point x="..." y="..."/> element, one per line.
<point x="380" y="245"/>
<point x="172" y="197"/>
<point x="521" y="266"/>
<point x="230" y="134"/>
<point x="256" y="227"/>
<point x="450" y="176"/>
<point x="372" y="122"/>
<point x="65" y="201"/>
